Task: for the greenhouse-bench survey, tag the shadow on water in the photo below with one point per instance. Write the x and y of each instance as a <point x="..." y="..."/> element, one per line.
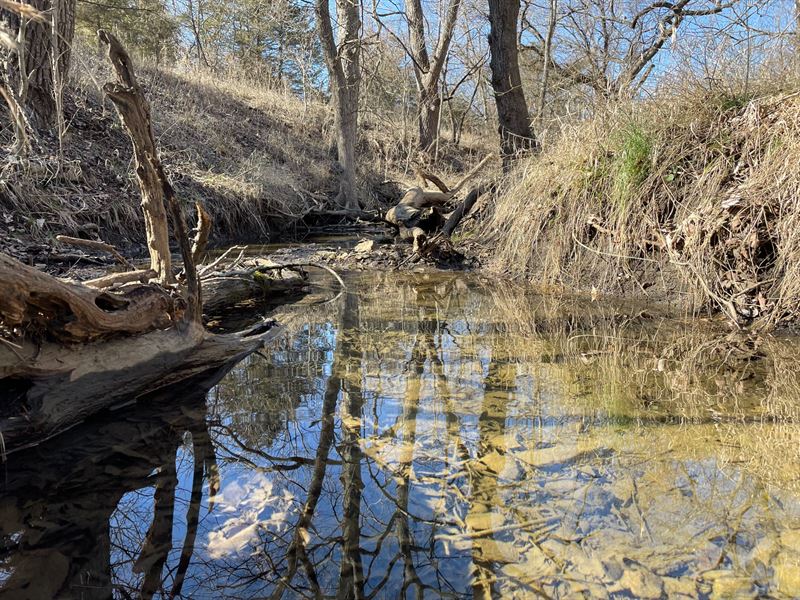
<point x="434" y="436"/>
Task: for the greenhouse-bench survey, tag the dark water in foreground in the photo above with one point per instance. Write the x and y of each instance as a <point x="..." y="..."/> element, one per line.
<point x="437" y="437"/>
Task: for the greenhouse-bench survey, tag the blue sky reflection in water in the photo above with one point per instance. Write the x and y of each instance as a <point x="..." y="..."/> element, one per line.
<point x="435" y="436"/>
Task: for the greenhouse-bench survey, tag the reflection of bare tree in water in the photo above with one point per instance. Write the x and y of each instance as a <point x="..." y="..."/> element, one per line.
<point x="406" y="461"/>
<point x="63" y="494"/>
<point x="498" y="385"/>
<point x="344" y="377"/>
<point x="158" y="541"/>
<point x="296" y="554"/>
<point x="351" y="581"/>
<point x="309" y="548"/>
<point x="436" y="485"/>
<point x="414" y="554"/>
<point x="205" y="468"/>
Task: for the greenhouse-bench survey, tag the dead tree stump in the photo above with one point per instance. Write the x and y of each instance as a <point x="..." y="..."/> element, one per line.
<point x="134" y="111"/>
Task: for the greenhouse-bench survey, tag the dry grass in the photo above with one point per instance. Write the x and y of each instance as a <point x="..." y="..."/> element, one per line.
<point x="692" y="199"/>
<point x="259" y="159"/>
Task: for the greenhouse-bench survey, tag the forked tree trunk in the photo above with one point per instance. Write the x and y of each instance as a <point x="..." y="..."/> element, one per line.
<point x="516" y="135"/>
<point x="342" y="57"/>
<point x="428" y="69"/>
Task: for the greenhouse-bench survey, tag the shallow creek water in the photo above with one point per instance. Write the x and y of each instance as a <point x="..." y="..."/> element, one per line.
<point x="437" y="436"/>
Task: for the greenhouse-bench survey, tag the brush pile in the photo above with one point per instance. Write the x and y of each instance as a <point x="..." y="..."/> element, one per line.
<point x="694" y="201"/>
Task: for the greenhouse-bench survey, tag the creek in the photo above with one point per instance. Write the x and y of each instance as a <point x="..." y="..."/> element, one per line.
<point x="437" y="435"/>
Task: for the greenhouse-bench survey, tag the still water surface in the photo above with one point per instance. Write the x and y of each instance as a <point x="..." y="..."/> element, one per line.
<point x="434" y="436"/>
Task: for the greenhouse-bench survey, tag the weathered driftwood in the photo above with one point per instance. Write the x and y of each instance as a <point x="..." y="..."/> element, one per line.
<point x="255" y="279"/>
<point x="96" y="245"/>
<point x="69" y="350"/>
<point x="64" y="385"/>
<point x="201" y="234"/>
<point x="134" y="111"/>
<point x="115" y="279"/>
<point x="462" y="210"/>
<point x="35" y="302"/>
<point x="426" y="177"/>
<point x="419" y="213"/>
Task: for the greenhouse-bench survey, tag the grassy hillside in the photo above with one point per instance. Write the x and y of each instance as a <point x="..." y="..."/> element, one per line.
<point x="692" y="199"/>
<point x="259" y="159"/>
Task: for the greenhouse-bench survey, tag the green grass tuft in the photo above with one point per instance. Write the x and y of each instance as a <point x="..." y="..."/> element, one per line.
<point x="631" y="164"/>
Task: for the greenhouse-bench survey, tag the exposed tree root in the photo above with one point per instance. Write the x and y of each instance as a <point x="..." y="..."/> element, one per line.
<point x="36" y="303"/>
<point x="422" y="213"/>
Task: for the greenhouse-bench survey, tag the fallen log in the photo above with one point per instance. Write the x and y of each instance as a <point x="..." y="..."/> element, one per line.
<point x="255" y="279"/>
<point x="59" y="386"/>
<point x="462" y="210"/>
<point x="70" y="350"/>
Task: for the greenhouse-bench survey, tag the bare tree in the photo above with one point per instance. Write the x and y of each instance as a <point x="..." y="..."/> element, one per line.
<point x="516" y="135"/>
<point x="606" y="45"/>
<point x="195" y="16"/>
<point x="427" y="66"/>
<point x="342" y="57"/>
<point x="546" y="58"/>
<point x="428" y="70"/>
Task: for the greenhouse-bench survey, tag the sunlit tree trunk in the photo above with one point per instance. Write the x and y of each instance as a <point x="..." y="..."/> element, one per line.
<point x="342" y="57"/>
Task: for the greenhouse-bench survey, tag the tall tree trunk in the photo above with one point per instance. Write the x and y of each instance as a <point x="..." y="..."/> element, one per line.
<point x="429" y="109"/>
<point x="516" y="135"/>
<point x="427" y="69"/>
<point x="194" y="20"/>
<point x="548" y="51"/>
<point x="346" y="107"/>
<point x="797" y="26"/>
<point x="47" y="55"/>
<point x="342" y="57"/>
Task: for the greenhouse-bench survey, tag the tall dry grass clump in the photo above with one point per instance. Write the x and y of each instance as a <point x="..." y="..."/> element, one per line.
<point x="692" y="199"/>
